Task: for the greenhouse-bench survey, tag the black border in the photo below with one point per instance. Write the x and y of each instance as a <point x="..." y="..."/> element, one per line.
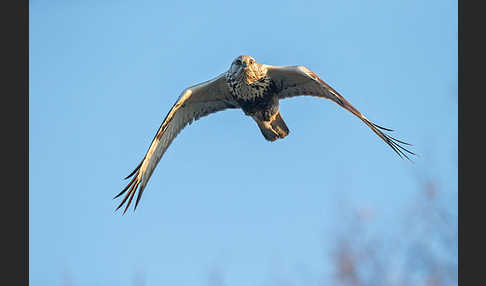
<point x="470" y="119"/>
<point x="15" y="118"/>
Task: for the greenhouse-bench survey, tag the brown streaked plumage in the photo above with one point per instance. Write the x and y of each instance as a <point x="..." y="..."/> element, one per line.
<point x="256" y="89"/>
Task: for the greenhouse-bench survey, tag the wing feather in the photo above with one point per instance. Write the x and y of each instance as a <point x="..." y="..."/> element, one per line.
<point x="195" y="102"/>
<point x="293" y="81"/>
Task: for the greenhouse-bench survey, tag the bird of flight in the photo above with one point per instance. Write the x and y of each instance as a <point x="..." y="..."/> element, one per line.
<point x="256" y="89"/>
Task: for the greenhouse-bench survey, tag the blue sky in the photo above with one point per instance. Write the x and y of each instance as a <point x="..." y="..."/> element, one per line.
<point x="103" y="75"/>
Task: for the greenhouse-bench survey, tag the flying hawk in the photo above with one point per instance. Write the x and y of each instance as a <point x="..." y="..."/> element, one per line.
<point x="256" y="89"/>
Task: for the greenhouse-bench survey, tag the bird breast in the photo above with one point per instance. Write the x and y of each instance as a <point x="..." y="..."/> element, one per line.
<point x="249" y="92"/>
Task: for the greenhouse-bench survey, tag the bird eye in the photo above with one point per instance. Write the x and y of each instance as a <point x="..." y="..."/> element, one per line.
<point x="238" y="62"/>
<point x="251" y="61"/>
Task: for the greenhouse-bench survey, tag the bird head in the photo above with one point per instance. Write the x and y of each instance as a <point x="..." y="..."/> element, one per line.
<point x="245" y="67"/>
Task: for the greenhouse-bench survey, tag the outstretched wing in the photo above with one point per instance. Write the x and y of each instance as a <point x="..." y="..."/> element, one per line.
<point x="292" y="81"/>
<point x="195" y="102"/>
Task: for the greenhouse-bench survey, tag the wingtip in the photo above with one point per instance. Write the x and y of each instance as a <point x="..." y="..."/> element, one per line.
<point x="118" y="207"/>
<point x="393" y="142"/>
<point x="136" y="170"/>
<point x="133" y="188"/>
<point x="381" y="127"/>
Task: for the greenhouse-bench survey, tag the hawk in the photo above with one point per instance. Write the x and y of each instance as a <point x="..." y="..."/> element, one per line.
<point x="254" y="88"/>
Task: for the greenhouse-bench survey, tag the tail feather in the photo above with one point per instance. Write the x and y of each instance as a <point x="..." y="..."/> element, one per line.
<point x="279" y="126"/>
<point x="273" y="129"/>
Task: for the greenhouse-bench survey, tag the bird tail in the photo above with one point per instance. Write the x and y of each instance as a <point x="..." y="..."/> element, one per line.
<point x="273" y="129"/>
<point x="279" y="126"/>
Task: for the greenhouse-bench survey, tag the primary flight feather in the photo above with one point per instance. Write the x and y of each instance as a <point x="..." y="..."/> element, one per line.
<point x="256" y="89"/>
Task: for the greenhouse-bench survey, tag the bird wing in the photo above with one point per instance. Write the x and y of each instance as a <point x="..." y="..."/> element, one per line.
<point x="293" y="81"/>
<point x="194" y="102"/>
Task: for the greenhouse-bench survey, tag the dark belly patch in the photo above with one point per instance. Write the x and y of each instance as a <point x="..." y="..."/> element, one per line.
<point x="261" y="107"/>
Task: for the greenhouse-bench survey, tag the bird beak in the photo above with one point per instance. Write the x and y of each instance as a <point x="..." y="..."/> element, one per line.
<point x="244" y="64"/>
